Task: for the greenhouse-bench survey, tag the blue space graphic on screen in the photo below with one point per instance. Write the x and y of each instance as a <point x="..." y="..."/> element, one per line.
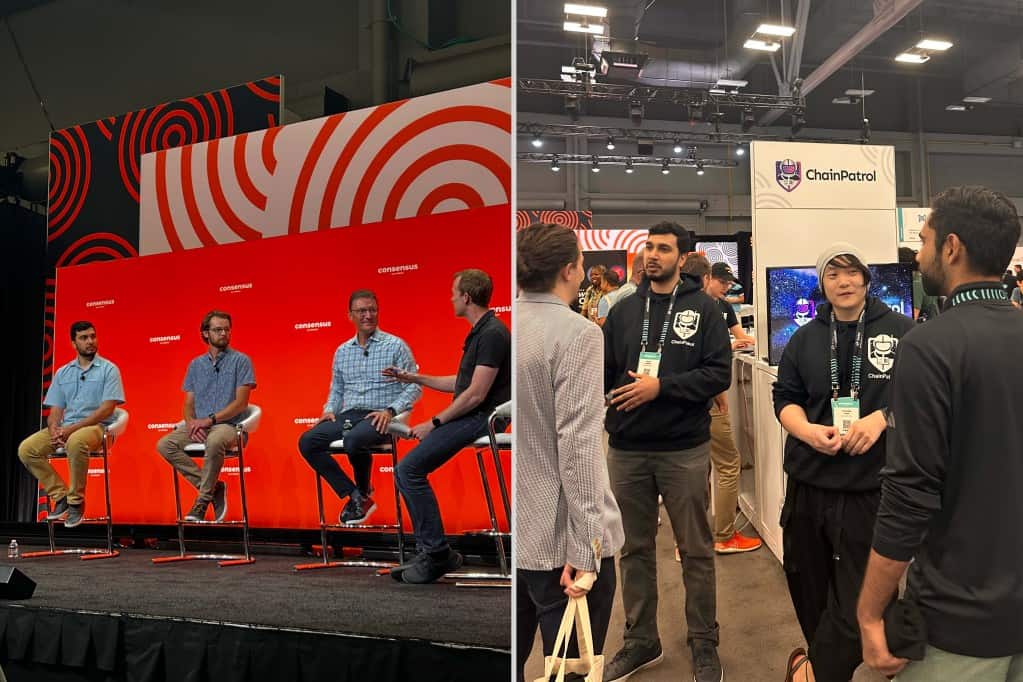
<point x="794" y="297"/>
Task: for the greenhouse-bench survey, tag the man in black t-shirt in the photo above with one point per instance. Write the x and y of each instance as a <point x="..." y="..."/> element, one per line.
<point x="483" y="382"/>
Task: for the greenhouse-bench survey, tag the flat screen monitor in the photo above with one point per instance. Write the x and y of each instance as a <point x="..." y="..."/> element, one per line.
<point x="794" y="296"/>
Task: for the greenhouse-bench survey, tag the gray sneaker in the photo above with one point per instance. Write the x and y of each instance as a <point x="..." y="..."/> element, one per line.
<point x="59" y="510"/>
<point x="706" y="664"/>
<point x="631" y="658"/>
<point x="198" y="512"/>
<point x="75" y="514"/>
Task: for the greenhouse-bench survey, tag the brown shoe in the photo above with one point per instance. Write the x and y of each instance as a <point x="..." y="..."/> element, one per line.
<point x="791" y="667"/>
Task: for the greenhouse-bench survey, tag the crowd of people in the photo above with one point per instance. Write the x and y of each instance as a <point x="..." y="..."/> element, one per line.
<point x="899" y="453"/>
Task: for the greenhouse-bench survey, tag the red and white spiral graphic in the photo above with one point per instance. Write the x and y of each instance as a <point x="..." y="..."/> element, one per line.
<point x="567" y="218"/>
<point x="97" y="246"/>
<point x="631" y="241"/>
<point x="432" y="154"/>
<point x="70" y="176"/>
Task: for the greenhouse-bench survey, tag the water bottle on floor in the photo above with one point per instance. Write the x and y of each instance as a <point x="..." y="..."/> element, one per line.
<point x="12" y="550"/>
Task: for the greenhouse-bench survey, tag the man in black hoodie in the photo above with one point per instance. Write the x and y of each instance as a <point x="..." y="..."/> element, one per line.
<point x="831" y="396"/>
<point x="666" y="355"/>
<point x="950" y="496"/>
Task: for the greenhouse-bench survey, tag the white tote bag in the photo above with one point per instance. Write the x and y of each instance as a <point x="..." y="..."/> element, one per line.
<point x="577" y="617"/>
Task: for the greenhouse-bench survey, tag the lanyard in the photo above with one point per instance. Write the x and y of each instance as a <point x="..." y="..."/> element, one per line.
<point x="646" y="321"/>
<point x="857" y="356"/>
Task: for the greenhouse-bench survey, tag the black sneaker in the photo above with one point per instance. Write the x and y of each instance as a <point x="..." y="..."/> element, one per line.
<point x="401" y="568"/>
<point x="431" y="569"/>
<point x="357" y="510"/>
<point x="219" y="501"/>
<point x="706" y="664"/>
<point x="631" y="658"/>
<point x="198" y="512"/>
<point x="75" y="514"/>
<point x="59" y="510"/>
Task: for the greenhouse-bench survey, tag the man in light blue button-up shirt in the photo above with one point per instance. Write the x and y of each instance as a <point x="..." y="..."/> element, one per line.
<point x="81" y="398"/>
<point x="360" y="405"/>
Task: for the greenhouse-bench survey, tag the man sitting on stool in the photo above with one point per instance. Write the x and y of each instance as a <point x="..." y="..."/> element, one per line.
<point x="483" y="382"/>
<point x="360" y="405"/>
<point x="82" y="398"/>
<point x="217" y="386"/>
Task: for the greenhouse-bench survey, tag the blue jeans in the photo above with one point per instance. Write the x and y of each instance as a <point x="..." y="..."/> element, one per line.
<point x="438" y="447"/>
<point x="313" y="444"/>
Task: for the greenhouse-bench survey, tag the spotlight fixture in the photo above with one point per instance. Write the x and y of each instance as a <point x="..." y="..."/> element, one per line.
<point x="585" y="10"/>
<point x="537" y="140"/>
<point x="934" y="45"/>
<point x="678" y="147"/>
<point x="912" y="58"/>
<point x="776" y="30"/>
<point x="610" y="143"/>
<point x="798" y="121"/>
<point x="747" y="119"/>
<point x="664" y="167"/>
<point x="740" y="150"/>
<point x="762" y="45"/>
<point x="596" y="165"/>
<point x="865" y="131"/>
<point x="555" y="166"/>
<point x="699" y="167"/>
<point x="628" y="165"/>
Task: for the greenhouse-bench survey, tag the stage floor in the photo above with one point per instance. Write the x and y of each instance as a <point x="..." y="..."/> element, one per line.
<point x="270" y="593"/>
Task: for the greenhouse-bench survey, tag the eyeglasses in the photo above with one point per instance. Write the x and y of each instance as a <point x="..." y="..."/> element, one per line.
<point x="220" y="330"/>
<point x="359" y="312"/>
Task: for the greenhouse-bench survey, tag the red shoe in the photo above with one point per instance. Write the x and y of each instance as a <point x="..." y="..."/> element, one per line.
<point x="737" y="543"/>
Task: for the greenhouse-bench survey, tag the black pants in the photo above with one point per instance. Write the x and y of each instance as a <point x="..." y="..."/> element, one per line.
<point x="827" y="537"/>
<point x="540" y="600"/>
<point x="363" y="435"/>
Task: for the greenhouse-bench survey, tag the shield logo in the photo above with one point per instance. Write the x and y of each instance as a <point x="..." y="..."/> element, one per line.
<point x="789" y="174"/>
<point x="881" y="351"/>
<point x="686" y="323"/>
<point x="805" y="311"/>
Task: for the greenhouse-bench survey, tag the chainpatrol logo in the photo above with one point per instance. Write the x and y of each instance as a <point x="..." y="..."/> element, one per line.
<point x="789" y="174"/>
<point x="686" y="323"/>
<point x="805" y="312"/>
<point x="881" y="351"/>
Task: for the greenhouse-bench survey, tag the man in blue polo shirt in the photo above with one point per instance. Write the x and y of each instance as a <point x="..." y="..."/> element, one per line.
<point x="217" y="386"/>
<point x="81" y="398"/>
<point x="483" y="382"/>
<point x="360" y="405"/>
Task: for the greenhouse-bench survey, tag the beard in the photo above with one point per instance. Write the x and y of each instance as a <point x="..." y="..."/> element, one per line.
<point x="88" y="355"/>
<point x="933" y="279"/>
<point x="667" y="274"/>
<point x="219" y="342"/>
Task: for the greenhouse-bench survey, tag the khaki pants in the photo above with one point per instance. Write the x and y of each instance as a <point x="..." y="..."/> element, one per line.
<point x="726" y="462"/>
<point x="34" y="453"/>
<point x="942" y="666"/>
<point x="218" y="441"/>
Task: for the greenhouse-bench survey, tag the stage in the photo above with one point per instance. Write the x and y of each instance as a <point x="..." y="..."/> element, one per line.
<point x="128" y="619"/>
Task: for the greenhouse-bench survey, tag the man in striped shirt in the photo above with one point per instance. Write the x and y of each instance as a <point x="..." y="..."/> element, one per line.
<point x="360" y="405"/>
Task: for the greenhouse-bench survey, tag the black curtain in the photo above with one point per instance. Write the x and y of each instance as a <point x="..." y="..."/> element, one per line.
<point x="22" y="262"/>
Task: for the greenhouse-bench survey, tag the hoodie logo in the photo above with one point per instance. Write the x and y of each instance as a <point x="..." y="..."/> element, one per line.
<point x="686" y="323"/>
<point x="881" y="351"/>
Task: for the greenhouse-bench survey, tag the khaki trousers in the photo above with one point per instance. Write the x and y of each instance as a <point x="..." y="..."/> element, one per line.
<point x="726" y="462"/>
<point x="218" y="441"/>
<point x="34" y="452"/>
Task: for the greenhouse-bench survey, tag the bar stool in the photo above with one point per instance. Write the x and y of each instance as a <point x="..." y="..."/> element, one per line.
<point x="495" y="443"/>
<point x="248" y="424"/>
<point x="110" y="433"/>
<point x="398" y="428"/>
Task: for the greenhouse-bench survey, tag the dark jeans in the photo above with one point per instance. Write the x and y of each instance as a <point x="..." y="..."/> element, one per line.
<point x="314" y="442"/>
<point x="540" y="601"/>
<point x="680" y="476"/>
<point x="826" y="537"/>
<point x="438" y="447"/>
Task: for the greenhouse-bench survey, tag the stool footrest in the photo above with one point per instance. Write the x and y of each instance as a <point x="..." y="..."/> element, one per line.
<point x="478" y="575"/>
<point x="182" y="522"/>
<point x="341" y="526"/>
<point x="349" y="563"/>
<point x="82" y="552"/>
<point x="223" y="559"/>
<point x="487" y="532"/>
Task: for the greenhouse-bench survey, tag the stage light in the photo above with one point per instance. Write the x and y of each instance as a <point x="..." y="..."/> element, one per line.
<point x="537" y="140"/>
<point x="677" y="148"/>
<point x="664" y="167"/>
<point x="776" y="30"/>
<point x="585" y="10"/>
<point x="865" y="131"/>
<point x="753" y="44"/>
<point x="912" y="58"/>
<point x="610" y="143"/>
<point x="934" y="45"/>
<point x="976" y="100"/>
<point x="699" y="168"/>
<point x="596" y="165"/>
<point x="555" y="166"/>
<point x="747" y="119"/>
<point x="740" y="150"/>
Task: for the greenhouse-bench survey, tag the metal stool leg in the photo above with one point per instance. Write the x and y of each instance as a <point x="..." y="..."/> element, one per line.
<point x="245" y="510"/>
<point x="397" y="500"/>
<point x="498" y="540"/>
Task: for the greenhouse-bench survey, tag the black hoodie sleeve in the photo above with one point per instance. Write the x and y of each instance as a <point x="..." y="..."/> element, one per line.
<point x="714" y="373"/>
<point x="789" y="388"/>
<point x="611" y="370"/>
<point x="913" y="477"/>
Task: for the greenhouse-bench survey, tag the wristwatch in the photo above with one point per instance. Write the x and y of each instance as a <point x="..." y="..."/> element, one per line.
<point x="212" y="416"/>
<point x="393" y="412"/>
<point x="436" y="423"/>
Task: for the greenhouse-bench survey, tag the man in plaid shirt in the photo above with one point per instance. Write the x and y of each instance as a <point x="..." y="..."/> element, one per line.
<point x="360" y="405"/>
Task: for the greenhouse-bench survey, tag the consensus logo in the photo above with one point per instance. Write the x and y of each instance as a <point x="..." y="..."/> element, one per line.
<point x="397" y="269"/>
<point x="790" y="174"/>
<point x="169" y="426"/>
<point x="235" y="288"/>
<point x="99" y="304"/>
<point x="306" y="420"/>
<point x="164" y="339"/>
<point x="312" y="326"/>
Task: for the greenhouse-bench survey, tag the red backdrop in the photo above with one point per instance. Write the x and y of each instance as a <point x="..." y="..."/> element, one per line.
<point x="288" y="297"/>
